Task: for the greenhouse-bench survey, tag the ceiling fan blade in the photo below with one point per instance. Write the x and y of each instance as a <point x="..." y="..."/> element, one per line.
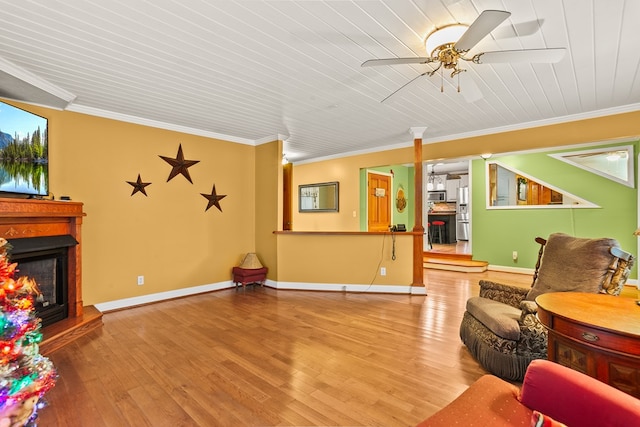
<point x="469" y="88"/>
<point x="483" y="25"/>
<point x="546" y="56"/>
<point x="523" y="29"/>
<point x="404" y="86"/>
<point x="395" y="61"/>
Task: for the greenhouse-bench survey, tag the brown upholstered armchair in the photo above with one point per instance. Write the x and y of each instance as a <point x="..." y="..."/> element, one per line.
<point x="500" y="327"/>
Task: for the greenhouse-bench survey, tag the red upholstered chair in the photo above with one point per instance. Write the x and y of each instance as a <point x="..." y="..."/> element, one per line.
<point x="555" y="391"/>
<point x="249" y="271"/>
<point x="246" y="276"/>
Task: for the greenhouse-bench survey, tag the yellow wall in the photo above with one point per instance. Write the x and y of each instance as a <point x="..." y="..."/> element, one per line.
<point x="170" y="239"/>
<point x="268" y="185"/>
<point x="167" y="237"/>
<point x="345" y="259"/>
<point x="345" y="170"/>
<point x="605" y="128"/>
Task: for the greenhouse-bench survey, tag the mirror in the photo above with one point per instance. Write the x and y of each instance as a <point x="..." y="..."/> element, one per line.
<point x="615" y="163"/>
<point x="512" y="188"/>
<point x="322" y="197"/>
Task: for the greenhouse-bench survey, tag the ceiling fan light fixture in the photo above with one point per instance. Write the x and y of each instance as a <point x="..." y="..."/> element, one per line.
<point x="444" y="36"/>
<point x="614" y="156"/>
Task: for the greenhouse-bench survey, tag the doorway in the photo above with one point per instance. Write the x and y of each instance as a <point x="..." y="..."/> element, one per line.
<point x="448" y="179"/>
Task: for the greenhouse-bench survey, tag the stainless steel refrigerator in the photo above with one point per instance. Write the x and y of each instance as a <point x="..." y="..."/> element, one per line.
<point x="462" y="214"/>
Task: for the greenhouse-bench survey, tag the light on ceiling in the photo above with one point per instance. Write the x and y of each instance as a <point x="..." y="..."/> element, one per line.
<point x="613" y="156"/>
<point x="434" y="182"/>
<point x="284" y="159"/>
<point x="444" y="36"/>
<point x="431" y="180"/>
<point x="485" y="156"/>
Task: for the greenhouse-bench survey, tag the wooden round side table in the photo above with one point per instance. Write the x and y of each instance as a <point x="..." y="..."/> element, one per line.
<point x="596" y="334"/>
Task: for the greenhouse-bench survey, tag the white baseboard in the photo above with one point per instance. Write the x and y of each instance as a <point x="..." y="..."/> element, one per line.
<point x="340" y="287"/>
<point x="299" y="286"/>
<point x="178" y="293"/>
<point x="506" y="269"/>
<point x="161" y="296"/>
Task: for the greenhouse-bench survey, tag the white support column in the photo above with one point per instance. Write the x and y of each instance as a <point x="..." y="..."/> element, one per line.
<point x="418" y="132"/>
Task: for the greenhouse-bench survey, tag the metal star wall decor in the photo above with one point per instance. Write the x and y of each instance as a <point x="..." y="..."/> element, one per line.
<point x="214" y="199"/>
<point x="180" y="165"/>
<point x="138" y="186"/>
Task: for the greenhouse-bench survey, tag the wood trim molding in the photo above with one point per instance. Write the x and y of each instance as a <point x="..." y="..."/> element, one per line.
<point x="418" y="229"/>
<point x="22" y="218"/>
<point x="347" y="233"/>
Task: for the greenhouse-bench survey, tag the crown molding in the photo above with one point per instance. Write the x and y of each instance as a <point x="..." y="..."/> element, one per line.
<point x="83" y="109"/>
<point x="24" y="86"/>
<point x="539" y="123"/>
<point x="528" y="125"/>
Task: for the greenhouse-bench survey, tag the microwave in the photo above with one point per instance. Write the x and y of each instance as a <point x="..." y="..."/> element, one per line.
<point x="437" y="196"/>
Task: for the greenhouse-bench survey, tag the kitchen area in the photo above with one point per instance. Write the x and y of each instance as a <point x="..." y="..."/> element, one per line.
<point x="447" y="205"/>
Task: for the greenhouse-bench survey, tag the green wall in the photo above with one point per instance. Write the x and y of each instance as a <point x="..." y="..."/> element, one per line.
<point x="497" y="233"/>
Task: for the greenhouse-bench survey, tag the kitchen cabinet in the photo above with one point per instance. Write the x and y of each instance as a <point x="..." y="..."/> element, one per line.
<point x="452" y="186"/>
<point x="452" y="189"/>
<point x="506" y="188"/>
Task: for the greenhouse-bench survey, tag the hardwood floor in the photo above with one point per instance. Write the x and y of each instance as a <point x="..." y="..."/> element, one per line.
<point x="460" y="247"/>
<point x="262" y="357"/>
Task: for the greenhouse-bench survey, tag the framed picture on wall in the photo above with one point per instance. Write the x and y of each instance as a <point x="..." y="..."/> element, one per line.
<point x="522" y="189"/>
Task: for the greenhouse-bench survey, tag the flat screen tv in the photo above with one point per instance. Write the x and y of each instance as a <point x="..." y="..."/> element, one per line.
<point x="24" y="155"/>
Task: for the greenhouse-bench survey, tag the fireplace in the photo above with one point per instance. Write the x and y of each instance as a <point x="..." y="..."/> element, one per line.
<point x="42" y="225"/>
<point x="45" y="259"/>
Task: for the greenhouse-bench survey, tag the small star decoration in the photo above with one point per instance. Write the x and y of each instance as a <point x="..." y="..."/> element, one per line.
<point x="180" y="165"/>
<point x="214" y="199"/>
<point x="139" y="186"/>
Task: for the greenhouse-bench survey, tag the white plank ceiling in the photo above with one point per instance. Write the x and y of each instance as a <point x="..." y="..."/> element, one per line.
<point x="249" y="70"/>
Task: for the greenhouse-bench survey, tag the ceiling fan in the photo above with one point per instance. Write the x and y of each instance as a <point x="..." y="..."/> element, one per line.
<point x="447" y="46"/>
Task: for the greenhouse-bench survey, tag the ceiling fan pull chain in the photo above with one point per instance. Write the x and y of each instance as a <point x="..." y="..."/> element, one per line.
<point x="441" y="81"/>
<point x="458" y="82"/>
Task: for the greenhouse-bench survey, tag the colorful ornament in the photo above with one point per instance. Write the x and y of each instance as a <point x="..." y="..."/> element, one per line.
<point x="25" y="375"/>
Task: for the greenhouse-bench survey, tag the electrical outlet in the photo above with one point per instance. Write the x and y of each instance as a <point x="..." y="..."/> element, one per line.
<point x="140" y="280"/>
<point x="383" y="271"/>
<point x="515" y="255"/>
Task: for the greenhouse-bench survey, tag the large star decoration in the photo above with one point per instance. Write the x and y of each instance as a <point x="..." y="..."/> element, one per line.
<point x="139" y="186"/>
<point x="214" y="199"/>
<point x="180" y="165"/>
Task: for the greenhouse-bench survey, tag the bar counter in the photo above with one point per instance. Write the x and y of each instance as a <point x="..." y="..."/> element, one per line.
<point x="449" y="219"/>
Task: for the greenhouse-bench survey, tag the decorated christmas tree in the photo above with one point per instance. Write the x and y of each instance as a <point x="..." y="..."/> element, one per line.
<point x="25" y="375"/>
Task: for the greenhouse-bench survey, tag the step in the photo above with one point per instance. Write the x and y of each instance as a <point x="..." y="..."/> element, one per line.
<point x="447" y="255"/>
<point x="67" y="330"/>
<point x="454" y="264"/>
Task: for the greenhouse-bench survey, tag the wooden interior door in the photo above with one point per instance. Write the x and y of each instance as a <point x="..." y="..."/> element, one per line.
<point x="287" y="197"/>
<point x="379" y="202"/>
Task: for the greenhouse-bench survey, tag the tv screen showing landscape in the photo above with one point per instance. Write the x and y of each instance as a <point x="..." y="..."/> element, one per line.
<point x="24" y="157"/>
